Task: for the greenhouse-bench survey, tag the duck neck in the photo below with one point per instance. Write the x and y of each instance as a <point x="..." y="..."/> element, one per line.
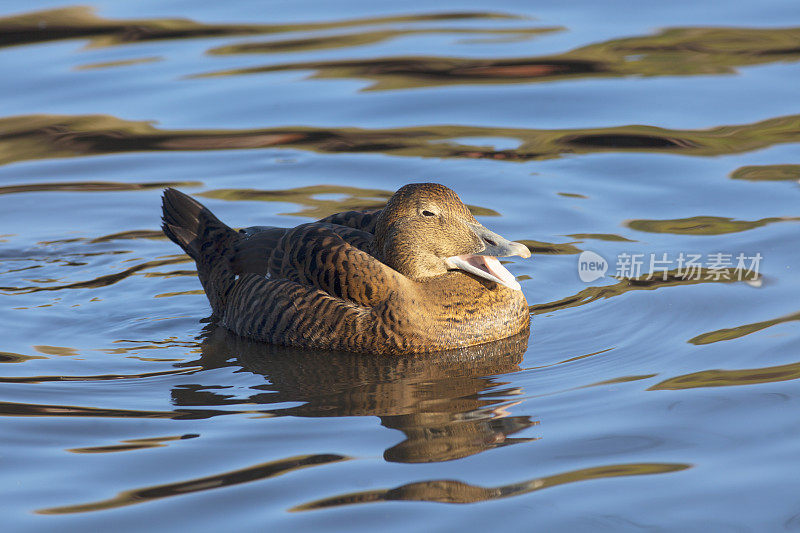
<point x="409" y="262"/>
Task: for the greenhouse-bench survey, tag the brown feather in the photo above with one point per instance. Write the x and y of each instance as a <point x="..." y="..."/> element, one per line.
<point x="358" y="281"/>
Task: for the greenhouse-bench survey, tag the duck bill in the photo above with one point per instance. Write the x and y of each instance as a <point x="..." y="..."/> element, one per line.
<point x="484" y="263"/>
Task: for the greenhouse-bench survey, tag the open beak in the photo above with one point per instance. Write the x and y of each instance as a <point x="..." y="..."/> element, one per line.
<point x="484" y="263"/>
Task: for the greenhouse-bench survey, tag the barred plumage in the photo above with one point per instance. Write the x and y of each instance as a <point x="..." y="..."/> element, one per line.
<point x="373" y="281"/>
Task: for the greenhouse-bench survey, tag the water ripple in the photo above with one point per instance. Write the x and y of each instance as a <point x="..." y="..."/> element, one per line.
<point x="133" y="444"/>
<point x="450" y="491"/>
<point x="100" y="281"/>
<point x="226" y="479"/>
<point x="703" y="225"/>
<point x="47" y="136"/>
<point x="81" y="22"/>
<point x="731" y="378"/>
<point x="28" y="410"/>
<point x="728" y="334"/>
<point x="646" y="282"/>
<point x="670" y="52"/>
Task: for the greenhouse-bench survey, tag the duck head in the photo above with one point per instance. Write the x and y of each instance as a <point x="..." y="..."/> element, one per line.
<point x="426" y="230"/>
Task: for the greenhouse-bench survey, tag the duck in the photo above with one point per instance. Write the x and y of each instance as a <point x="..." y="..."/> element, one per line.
<point x="419" y="275"/>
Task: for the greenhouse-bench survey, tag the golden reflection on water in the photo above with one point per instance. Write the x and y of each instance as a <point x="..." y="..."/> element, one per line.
<point x="670" y="52"/>
<point x="600" y="237"/>
<point x="120" y="63"/>
<point x="728" y="334"/>
<point x="133" y="444"/>
<point x="31" y="137"/>
<point x="731" y="378"/>
<point x="226" y="479"/>
<point x="767" y="173"/>
<point x="9" y="357"/>
<point x="451" y="491"/>
<point x="93" y="186"/>
<point x="550" y="248"/>
<point x="703" y="225"/>
<point x="81" y="22"/>
<point x="61" y="351"/>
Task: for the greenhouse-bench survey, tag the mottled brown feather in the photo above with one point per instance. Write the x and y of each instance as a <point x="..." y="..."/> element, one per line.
<point x="354" y="281"/>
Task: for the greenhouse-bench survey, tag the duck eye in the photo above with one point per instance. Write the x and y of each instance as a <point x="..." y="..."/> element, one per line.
<point x="428" y="214"/>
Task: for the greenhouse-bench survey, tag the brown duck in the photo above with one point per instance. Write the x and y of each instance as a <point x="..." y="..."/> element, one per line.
<point x="419" y="275"/>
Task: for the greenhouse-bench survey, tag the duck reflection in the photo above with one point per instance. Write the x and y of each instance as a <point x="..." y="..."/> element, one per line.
<point x="448" y="404"/>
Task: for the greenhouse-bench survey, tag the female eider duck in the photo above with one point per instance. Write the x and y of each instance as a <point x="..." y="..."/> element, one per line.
<point x="419" y="275"/>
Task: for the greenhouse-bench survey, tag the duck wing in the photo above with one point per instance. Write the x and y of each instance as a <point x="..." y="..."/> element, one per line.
<point x="321" y="291"/>
<point x="281" y="311"/>
<point x="333" y="259"/>
<point x="254" y="248"/>
<point x="360" y="220"/>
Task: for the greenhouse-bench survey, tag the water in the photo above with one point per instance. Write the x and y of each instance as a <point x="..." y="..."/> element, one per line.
<point x="662" y="403"/>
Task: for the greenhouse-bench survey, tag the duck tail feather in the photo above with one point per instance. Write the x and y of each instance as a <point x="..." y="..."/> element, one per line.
<point x="207" y="240"/>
